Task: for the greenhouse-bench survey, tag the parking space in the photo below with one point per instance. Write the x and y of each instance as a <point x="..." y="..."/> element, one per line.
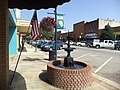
<point x="112" y="70"/>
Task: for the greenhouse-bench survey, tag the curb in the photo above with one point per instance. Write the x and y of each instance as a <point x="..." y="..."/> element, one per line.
<point x="107" y="81"/>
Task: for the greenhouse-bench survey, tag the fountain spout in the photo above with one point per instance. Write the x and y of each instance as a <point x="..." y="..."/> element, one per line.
<point x="68" y="61"/>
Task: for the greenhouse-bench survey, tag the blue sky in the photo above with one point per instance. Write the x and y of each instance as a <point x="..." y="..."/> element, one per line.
<point x="81" y="10"/>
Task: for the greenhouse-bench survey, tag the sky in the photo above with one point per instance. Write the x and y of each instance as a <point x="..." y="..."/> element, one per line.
<point x="80" y="10"/>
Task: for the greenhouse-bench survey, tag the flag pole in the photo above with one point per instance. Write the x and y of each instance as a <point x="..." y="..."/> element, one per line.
<point x="17" y="62"/>
<point x="23" y="42"/>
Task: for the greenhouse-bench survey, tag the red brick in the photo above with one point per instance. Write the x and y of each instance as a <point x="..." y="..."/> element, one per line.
<point x="4" y="60"/>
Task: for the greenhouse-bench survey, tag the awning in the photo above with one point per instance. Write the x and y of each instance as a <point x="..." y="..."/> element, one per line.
<point x="35" y="4"/>
<point x="91" y="35"/>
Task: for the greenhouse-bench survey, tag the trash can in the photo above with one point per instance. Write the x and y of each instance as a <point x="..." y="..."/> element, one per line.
<point x="52" y="55"/>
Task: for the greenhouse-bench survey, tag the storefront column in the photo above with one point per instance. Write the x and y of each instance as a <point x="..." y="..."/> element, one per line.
<point x="4" y="56"/>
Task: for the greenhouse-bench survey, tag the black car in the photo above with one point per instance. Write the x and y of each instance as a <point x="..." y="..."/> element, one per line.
<point x="89" y="43"/>
<point x="117" y="46"/>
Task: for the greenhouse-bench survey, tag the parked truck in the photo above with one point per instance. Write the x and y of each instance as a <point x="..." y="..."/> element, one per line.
<point x="104" y="44"/>
<point x="117" y="46"/>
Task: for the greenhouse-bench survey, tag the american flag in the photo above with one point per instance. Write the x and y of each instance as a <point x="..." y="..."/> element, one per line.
<point x="35" y="27"/>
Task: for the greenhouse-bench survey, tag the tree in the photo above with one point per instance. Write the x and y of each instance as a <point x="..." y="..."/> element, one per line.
<point x="117" y="37"/>
<point x="107" y="33"/>
<point x="47" y="25"/>
<point x="47" y="35"/>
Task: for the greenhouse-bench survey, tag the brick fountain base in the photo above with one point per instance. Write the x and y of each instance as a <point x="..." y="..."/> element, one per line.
<point x="69" y="79"/>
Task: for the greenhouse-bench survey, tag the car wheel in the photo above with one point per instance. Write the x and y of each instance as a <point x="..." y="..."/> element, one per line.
<point x="79" y="45"/>
<point x="97" y="46"/>
<point x="88" y="45"/>
<point x="51" y="49"/>
<point x="60" y="48"/>
<point x="119" y="48"/>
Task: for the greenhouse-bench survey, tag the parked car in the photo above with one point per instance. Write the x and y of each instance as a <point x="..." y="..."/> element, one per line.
<point x="117" y="46"/>
<point x="89" y="43"/>
<point x="82" y="43"/>
<point x="104" y="44"/>
<point x="60" y="42"/>
<point x="51" y="46"/>
<point x="42" y="43"/>
<point x="39" y="42"/>
<point x="34" y="43"/>
<point x="71" y="42"/>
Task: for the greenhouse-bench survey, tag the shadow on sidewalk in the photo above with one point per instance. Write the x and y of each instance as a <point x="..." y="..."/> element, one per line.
<point x="35" y="59"/>
<point x="43" y="76"/>
<point x="18" y="82"/>
<point x="24" y="49"/>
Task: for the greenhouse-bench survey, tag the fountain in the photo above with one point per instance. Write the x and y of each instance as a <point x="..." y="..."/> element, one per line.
<point x="69" y="74"/>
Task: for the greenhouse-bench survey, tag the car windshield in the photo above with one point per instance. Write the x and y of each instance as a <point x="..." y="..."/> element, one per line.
<point x="117" y="42"/>
<point x="83" y="41"/>
<point x="49" y="43"/>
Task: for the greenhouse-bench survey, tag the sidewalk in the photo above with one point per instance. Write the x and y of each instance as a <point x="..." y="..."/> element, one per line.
<point x="31" y="73"/>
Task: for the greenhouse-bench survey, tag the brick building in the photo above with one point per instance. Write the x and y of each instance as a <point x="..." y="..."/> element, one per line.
<point x="78" y="30"/>
<point x="90" y="30"/>
<point x="64" y="36"/>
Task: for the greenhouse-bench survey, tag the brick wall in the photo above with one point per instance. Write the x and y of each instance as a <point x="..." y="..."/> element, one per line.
<point x="91" y="27"/>
<point x="78" y="30"/>
<point x="4" y="59"/>
<point x="69" y="79"/>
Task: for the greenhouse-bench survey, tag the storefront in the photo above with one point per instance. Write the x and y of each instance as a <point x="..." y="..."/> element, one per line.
<point x="90" y="36"/>
<point x="4" y="30"/>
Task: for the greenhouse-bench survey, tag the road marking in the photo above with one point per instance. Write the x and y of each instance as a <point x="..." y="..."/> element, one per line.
<point x="82" y="56"/>
<point x="93" y="55"/>
<point x="103" y="65"/>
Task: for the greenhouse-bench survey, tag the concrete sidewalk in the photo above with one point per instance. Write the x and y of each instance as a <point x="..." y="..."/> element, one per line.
<point x="31" y="73"/>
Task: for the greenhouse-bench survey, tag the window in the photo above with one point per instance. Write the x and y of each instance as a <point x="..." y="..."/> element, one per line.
<point x="105" y="41"/>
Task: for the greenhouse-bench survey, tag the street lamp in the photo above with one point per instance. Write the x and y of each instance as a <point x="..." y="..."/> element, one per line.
<point x="80" y="36"/>
<point x="55" y="13"/>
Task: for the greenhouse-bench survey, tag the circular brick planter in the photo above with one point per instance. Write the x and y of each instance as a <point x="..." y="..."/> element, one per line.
<point x="69" y="79"/>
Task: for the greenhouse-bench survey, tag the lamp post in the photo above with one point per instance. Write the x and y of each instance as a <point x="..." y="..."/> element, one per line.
<point x="55" y="33"/>
<point x="80" y="36"/>
<point x="55" y="13"/>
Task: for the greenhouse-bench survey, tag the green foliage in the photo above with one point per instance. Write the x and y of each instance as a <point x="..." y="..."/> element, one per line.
<point x="47" y="35"/>
<point x="107" y="33"/>
<point x="47" y="25"/>
<point x="117" y="37"/>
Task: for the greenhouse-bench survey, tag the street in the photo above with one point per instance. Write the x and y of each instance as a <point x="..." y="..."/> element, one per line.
<point x="105" y="62"/>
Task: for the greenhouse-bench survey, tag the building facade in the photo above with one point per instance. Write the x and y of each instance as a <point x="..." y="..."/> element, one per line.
<point x="64" y="36"/>
<point x="79" y="30"/>
<point x="12" y="32"/>
<point x="90" y="30"/>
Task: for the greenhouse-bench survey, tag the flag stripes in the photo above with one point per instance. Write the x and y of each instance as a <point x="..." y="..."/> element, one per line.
<point x="35" y="27"/>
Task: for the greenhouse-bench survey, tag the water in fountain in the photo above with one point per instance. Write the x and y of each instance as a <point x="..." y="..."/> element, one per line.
<point x="76" y="66"/>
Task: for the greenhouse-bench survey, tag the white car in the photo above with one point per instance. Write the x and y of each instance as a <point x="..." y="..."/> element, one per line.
<point x="82" y="43"/>
<point x="71" y="42"/>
